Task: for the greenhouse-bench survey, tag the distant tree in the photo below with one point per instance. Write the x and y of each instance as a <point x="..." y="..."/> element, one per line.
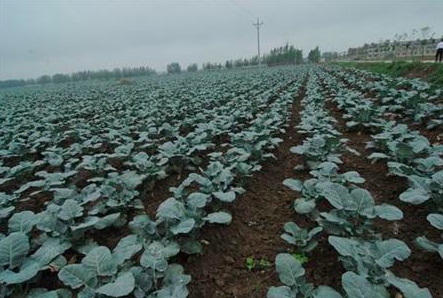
<point x="253" y="61"/>
<point x="45" y="79"/>
<point x="286" y="54"/>
<point x="13" y="83"/>
<point x="192" y="67"/>
<point x="238" y="63"/>
<point x="207" y="66"/>
<point x="60" y="78"/>
<point x="117" y="73"/>
<point x="229" y="64"/>
<point x="173" y="68"/>
<point x="330" y="56"/>
<point x="102" y="74"/>
<point x="426" y="33"/>
<point x="30" y="82"/>
<point x="314" y="55"/>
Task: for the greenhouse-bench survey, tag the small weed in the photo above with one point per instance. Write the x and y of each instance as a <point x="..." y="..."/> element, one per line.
<point x="252" y="263"/>
<point x="301" y="258"/>
<point x="265" y="263"/>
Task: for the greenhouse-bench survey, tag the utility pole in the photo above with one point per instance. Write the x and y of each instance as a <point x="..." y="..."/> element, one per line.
<point x="257" y="26"/>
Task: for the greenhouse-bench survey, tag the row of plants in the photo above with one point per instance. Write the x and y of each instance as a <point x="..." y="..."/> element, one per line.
<point x="348" y="222"/>
<point x="66" y="242"/>
<point x="401" y="97"/>
<point x="145" y="159"/>
<point x="410" y="155"/>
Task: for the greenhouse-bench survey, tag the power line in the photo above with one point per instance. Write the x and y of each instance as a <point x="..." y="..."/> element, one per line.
<point x="239" y="11"/>
<point x="243" y="9"/>
<point x="250" y="16"/>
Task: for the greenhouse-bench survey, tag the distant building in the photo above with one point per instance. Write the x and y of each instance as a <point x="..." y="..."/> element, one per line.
<point x="423" y="49"/>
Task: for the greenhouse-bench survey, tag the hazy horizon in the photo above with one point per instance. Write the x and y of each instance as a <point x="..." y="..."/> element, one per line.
<point x="48" y="37"/>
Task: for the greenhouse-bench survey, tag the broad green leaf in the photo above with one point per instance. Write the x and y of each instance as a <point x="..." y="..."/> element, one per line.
<point x="122" y="286"/>
<point x="70" y="210"/>
<point x="13" y="249"/>
<point x="87" y="292"/>
<point x="293" y="184"/>
<point x="175" y="276"/>
<point x="426" y="244"/>
<point x="281" y="292"/>
<point x="326" y="292"/>
<point x="353" y="177"/>
<point x="436" y="220"/>
<point x="377" y="155"/>
<point x="126" y="248"/>
<point x="344" y="246"/>
<point x="289" y="269"/>
<point x="131" y="179"/>
<point x="89" y="222"/>
<point x="415" y="196"/>
<point x="225" y="196"/>
<point x="86" y="246"/>
<point x="362" y="199"/>
<point x="219" y="217"/>
<point x="27" y="271"/>
<point x="43" y="293"/>
<point x="409" y="288"/>
<point x="142" y="225"/>
<point x="77" y="275"/>
<point x="100" y="261"/>
<point x="197" y="200"/>
<point x="391" y="250"/>
<point x="50" y="249"/>
<point x="338" y="196"/>
<point x="303" y="206"/>
<point x="5" y="212"/>
<point x="183" y="227"/>
<point x="156" y="254"/>
<point x="106" y="221"/>
<point x="357" y="286"/>
<point x="171" y="208"/>
<point x="388" y="212"/>
<point x="61" y="194"/>
<point x="22" y="222"/>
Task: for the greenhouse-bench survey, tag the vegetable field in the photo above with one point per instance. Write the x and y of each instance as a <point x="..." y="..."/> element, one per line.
<point x="282" y="182"/>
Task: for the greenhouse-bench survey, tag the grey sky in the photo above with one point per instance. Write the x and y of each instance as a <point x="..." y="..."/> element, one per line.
<point x="45" y="37"/>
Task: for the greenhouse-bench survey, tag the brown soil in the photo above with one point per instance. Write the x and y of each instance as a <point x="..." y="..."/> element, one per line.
<point x="435" y="136"/>
<point x="258" y="219"/>
<point x="423" y="74"/>
<point x="421" y="267"/>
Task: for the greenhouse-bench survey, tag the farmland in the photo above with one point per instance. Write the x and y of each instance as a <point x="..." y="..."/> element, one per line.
<point x="307" y="181"/>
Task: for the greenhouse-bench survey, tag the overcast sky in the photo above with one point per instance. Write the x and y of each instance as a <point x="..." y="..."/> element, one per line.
<point x="45" y="37"/>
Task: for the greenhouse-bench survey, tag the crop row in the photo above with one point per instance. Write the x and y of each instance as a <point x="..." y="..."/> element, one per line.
<point x="64" y="243"/>
<point x="364" y="253"/>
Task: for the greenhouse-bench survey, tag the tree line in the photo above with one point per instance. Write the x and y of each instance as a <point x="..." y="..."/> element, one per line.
<point x="284" y="55"/>
<point x="104" y="74"/>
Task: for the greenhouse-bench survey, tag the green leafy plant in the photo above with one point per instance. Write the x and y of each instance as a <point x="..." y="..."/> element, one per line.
<point x="250" y="263"/>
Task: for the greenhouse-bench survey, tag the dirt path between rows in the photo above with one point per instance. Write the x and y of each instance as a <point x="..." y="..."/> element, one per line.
<point x="258" y="218"/>
<point x="421" y="267"/>
<point x="435" y="136"/>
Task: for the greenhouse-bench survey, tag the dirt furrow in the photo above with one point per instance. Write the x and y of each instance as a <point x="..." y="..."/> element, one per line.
<point x="258" y="218"/>
<point x="421" y="267"/>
